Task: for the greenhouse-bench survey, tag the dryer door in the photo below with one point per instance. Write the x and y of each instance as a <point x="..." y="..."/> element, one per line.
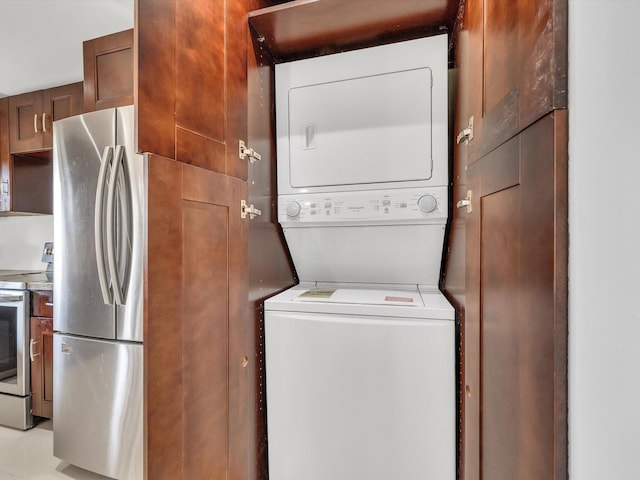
<point x="361" y="130"/>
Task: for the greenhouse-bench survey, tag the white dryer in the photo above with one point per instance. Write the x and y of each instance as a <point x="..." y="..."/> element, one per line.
<point x="360" y="356"/>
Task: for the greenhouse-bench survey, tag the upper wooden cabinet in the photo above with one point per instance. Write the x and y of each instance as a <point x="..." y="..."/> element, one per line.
<point x="192" y="82"/>
<point x="304" y="28"/>
<point x="108" y="71"/>
<point x="31" y="116"/>
<point x="512" y="59"/>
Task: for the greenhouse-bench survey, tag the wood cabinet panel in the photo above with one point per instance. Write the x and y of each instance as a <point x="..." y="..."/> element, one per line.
<point x="41" y="350"/>
<point x="515" y="332"/>
<point x="199" y="67"/>
<point x="31" y="116"/>
<point x="108" y="71"/>
<point x="513" y="68"/>
<point x="303" y="28"/>
<point x="24" y="123"/>
<point x="60" y="102"/>
<point x="195" y="369"/>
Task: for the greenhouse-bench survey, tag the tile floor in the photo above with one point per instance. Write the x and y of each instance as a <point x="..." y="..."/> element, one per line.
<point x="29" y="456"/>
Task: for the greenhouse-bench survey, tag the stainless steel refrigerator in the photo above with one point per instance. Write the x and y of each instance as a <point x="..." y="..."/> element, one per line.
<point x="99" y="236"/>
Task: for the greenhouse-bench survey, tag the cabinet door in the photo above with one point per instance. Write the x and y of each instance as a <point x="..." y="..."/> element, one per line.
<point x="515" y="332"/>
<point x="25" y="122"/>
<point x="512" y="59"/>
<point x="58" y="103"/>
<point x="192" y="82"/>
<point x="42" y="366"/>
<point x="108" y="71"/>
<point x="196" y="324"/>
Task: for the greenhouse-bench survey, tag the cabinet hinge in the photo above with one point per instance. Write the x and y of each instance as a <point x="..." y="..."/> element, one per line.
<point x="466" y="203"/>
<point x="466" y="135"/>
<point x="248" y="210"/>
<point x="246" y="151"/>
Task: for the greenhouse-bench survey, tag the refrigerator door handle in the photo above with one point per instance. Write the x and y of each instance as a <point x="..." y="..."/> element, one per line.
<point x="107" y="156"/>
<point x="126" y="222"/>
<point x="118" y="296"/>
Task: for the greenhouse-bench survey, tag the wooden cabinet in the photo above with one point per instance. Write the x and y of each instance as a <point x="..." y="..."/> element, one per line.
<point x="41" y="351"/>
<point x="196" y="326"/>
<point x="192" y="82"/>
<point x="108" y="71"/>
<point x="26" y="180"/>
<point x="208" y="269"/>
<point x="31" y="116"/>
<point x="507" y="258"/>
<point x="512" y="59"/>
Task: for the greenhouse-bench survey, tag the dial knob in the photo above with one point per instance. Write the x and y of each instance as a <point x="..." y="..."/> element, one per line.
<point x="427" y="203"/>
<point x="293" y="209"/>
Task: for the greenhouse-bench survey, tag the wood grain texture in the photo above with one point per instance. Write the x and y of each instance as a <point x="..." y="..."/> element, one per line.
<point x="524" y="69"/>
<point x="61" y="102"/>
<point x="23" y="136"/>
<point x="515" y="325"/>
<point x="155" y="76"/>
<point x="200" y="67"/>
<point x="205" y="334"/>
<point x="162" y="324"/>
<point x="198" y="325"/>
<point x="108" y="71"/>
<point x="304" y="28"/>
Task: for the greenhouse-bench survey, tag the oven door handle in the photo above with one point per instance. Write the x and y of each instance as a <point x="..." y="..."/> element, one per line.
<point x="11" y="298"/>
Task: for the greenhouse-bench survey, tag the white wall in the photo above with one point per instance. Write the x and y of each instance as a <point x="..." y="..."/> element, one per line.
<point x="21" y="241"/>
<point x="604" y="252"/>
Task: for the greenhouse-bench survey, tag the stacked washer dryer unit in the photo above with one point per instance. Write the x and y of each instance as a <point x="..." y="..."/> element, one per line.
<point x="360" y="356"/>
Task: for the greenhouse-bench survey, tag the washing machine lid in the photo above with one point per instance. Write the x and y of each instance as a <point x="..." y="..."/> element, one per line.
<point x="381" y="301"/>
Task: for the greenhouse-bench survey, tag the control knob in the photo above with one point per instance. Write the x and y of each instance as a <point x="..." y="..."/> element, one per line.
<point x="427" y="203"/>
<point x="293" y="209"/>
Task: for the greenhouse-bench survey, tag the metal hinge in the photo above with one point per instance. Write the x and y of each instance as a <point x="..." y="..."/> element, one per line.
<point x="248" y="210"/>
<point x="245" y="151"/>
<point x="466" y="203"/>
<point x="466" y="135"/>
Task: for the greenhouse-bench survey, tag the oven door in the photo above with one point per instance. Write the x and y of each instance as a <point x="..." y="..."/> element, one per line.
<point x="14" y="342"/>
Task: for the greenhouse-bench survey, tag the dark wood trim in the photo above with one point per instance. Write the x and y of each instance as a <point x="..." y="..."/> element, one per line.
<point x="306" y="28"/>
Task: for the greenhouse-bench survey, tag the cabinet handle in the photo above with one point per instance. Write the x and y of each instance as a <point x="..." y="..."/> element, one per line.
<point x="31" y="354"/>
<point x="35" y="122"/>
<point x="44" y="122"/>
<point x="5" y="187"/>
<point x="49" y="304"/>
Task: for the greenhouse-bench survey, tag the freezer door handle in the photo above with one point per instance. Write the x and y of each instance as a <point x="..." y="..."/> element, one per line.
<point x="107" y="156"/>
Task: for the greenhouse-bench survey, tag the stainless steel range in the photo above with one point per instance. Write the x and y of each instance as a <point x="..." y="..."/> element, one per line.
<point x="15" y="368"/>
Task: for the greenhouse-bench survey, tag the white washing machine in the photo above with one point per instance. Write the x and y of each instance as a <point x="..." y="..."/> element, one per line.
<point x="360" y="384"/>
<point x="360" y="356"/>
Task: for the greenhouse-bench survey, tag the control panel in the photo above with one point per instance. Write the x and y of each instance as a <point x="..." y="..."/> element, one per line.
<point x="409" y="204"/>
